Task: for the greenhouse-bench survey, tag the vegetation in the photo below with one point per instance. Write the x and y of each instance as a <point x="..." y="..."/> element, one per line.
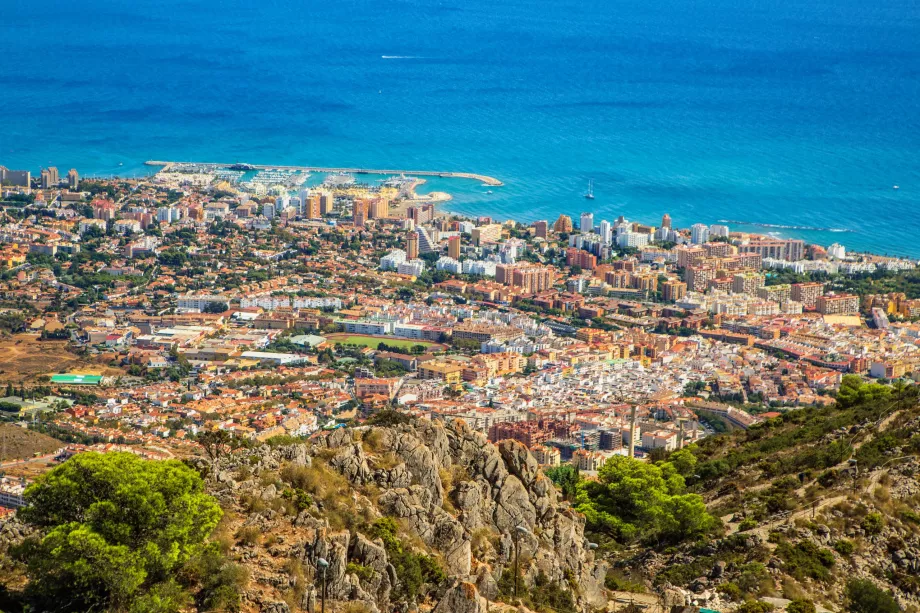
<point x="637" y="501"/>
<point x="414" y="570"/>
<point x="119" y="533"/>
<point x="863" y="596"/>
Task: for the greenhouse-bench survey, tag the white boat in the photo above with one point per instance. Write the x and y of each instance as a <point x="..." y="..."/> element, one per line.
<point x="590" y="193"/>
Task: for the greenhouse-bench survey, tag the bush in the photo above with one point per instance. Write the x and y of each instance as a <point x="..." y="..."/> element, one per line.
<point x="248" y="535"/>
<point x="801" y="606"/>
<point x="730" y="590"/>
<point x="747" y="524"/>
<point x="412" y="569"/>
<point x="864" y="597"/>
<point x="844" y="547"/>
<point x="806" y="560"/>
<point x="873" y="523"/>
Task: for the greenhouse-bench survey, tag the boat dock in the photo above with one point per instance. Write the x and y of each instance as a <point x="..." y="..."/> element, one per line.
<point x="486" y="180"/>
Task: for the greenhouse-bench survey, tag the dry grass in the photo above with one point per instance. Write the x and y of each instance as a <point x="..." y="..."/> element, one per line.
<point x="248" y="535"/>
<point x="21" y="444"/>
<point x="23" y="358"/>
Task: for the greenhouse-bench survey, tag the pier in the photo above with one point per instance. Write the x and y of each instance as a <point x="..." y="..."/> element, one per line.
<point x="486" y="180"/>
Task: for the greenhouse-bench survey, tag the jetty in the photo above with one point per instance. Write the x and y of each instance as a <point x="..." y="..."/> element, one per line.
<point x="486" y="180"/>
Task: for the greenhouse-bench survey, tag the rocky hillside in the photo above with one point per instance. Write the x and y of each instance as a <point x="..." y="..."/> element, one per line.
<point x="419" y="513"/>
<point x="811" y="502"/>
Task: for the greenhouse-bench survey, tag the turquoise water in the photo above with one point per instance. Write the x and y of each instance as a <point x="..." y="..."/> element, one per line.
<point x="799" y="113"/>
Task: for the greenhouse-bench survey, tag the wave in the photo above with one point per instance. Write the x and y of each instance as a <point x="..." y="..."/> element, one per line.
<point x="401" y="57"/>
<point x="784" y="227"/>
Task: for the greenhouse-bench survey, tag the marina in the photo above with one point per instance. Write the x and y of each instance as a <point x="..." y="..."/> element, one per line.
<point x="484" y="179"/>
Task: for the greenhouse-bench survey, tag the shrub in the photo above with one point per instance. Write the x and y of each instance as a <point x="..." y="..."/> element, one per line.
<point x="844" y="547"/>
<point x="365" y="573"/>
<point x="805" y="559"/>
<point x="864" y="597"/>
<point x="412" y="569"/>
<point x="730" y="590"/>
<point x="248" y="535"/>
<point x="873" y="523"/>
<point x="747" y="524"/>
<point x="801" y="606"/>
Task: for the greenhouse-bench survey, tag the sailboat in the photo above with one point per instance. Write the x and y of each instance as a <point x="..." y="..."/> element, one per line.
<point x="590" y="193"/>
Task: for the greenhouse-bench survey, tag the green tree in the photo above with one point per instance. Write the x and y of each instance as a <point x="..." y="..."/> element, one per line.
<point x="864" y="597"/>
<point x="636" y="500"/>
<point x="113" y="528"/>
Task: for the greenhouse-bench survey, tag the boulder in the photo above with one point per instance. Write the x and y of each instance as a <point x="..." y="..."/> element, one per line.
<point x="462" y="598"/>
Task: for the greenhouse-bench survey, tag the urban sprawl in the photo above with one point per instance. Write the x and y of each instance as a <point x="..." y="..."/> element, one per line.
<point x="275" y="302"/>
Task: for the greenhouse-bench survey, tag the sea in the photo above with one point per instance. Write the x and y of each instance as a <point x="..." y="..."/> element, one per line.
<point x="792" y="117"/>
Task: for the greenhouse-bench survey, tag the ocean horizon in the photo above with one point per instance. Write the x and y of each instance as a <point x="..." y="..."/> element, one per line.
<point x="797" y="118"/>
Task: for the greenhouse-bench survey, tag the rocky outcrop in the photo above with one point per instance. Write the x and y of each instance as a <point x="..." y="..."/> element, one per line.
<point x="447" y="486"/>
<point x="462" y="598"/>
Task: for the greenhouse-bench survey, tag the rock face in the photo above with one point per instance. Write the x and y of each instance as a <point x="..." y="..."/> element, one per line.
<point x="449" y="488"/>
<point x="462" y="598"/>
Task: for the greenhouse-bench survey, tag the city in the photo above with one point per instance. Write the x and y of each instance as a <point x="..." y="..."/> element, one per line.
<point x="264" y="304"/>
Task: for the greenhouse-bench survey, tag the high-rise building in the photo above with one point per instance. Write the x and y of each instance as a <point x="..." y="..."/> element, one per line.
<point x="532" y="279"/>
<point x="747" y="282"/>
<point x="718" y="230"/>
<point x="491" y="233"/>
<point x="563" y="225"/>
<point x="666" y="221"/>
<point x="673" y="290"/>
<point x="17" y="178"/>
<point x="586" y="223"/>
<point x="380" y="208"/>
<point x="837" y="304"/>
<point x="420" y="214"/>
<point x="50" y="177"/>
<point x="606" y="232"/>
<point x="313" y="206"/>
<point x="359" y="212"/>
<point x="411" y="246"/>
<point x="326" y="203"/>
<point x="540" y="229"/>
<point x="453" y="247"/>
<point x="837" y="251"/>
<point x="791" y="250"/>
<point x="73" y="179"/>
<point x="807" y="293"/>
<point x="426" y="243"/>
<point x="580" y="258"/>
<point x="699" y="233"/>
<point x="698" y="277"/>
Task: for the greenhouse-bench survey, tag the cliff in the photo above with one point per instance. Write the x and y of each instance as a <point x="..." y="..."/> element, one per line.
<point x="458" y="502"/>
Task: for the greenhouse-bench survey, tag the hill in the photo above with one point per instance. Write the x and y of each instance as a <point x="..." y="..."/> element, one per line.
<point x="21" y="444"/>
<point x="810" y="501"/>
<point x="401" y="513"/>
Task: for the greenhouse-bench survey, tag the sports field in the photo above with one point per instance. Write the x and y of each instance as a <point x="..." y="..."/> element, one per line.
<point x="374" y="341"/>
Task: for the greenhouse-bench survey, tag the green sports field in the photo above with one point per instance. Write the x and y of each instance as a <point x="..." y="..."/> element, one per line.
<point x="374" y="341"/>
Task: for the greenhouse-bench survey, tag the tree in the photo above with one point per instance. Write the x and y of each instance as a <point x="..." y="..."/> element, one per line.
<point x="112" y="530"/>
<point x="215" y="307"/>
<point x="214" y="443"/>
<point x="636" y="500"/>
<point x="864" y="597"/>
